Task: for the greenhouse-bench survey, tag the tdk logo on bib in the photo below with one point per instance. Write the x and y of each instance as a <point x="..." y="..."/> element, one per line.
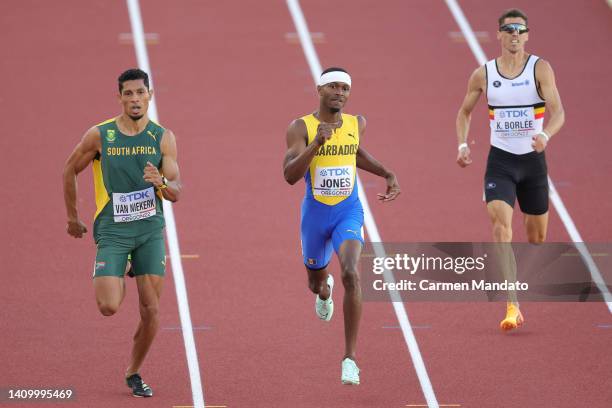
<point x="139" y="195"/>
<point x="330" y="171"/>
<point x="135" y="205"/>
<point x="513" y="122"/>
<point x="334" y="181"/>
<point x="520" y="113"/>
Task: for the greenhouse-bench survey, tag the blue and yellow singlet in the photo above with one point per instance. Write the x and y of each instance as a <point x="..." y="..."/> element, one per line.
<point x="331" y="178"/>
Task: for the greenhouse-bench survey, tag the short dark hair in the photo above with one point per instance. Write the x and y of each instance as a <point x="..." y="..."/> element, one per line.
<point x="133" y="74"/>
<point x="510" y="13"/>
<point x="332" y="69"/>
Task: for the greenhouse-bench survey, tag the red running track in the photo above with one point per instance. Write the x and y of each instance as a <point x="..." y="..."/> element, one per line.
<point x="228" y="83"/>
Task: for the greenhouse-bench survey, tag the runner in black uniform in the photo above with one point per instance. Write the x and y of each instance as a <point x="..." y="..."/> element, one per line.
<point x="518" y="88"/>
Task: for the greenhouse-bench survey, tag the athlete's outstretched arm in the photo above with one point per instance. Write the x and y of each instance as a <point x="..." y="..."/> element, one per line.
<point x="367" y="162"/>
<point x="476" y="85"/>
<point x="548" y="88"/>
<point x="299" y="154"/>
<point x="169" y="169"/>
<point x="81" y="156"/>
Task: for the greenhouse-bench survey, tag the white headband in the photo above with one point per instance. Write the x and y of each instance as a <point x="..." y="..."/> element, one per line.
<point x="335" y="76"/>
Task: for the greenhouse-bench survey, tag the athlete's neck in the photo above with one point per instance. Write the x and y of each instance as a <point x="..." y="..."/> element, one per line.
<point x="512" y="61"/>
<point x="328" y="116"/>
<point x="131" y="127"/>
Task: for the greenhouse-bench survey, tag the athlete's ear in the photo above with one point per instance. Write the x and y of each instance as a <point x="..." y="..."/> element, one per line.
<point x="150" y="93"/>
<point x="319" y="89"/>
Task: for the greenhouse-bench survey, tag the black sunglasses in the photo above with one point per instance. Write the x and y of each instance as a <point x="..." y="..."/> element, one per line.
<point x="510" y="28"/>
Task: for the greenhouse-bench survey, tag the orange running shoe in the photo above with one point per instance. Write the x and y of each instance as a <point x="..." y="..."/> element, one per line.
<point x="514" y="318"/>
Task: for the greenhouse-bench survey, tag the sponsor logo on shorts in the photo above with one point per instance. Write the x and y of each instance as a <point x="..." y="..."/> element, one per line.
<point x="110" y="135"/>
<point x="312" y="261"/>
<point x="496" y="84"/>
<point x="491" y="186"/>
<point x="99" y="265"/>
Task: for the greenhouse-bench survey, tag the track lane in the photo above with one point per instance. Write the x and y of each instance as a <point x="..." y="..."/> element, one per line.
<point x="244" y="218"/>
<point x="431" y="90"/>
<point x="236" y="369"/>
<point x="61" y="67"/>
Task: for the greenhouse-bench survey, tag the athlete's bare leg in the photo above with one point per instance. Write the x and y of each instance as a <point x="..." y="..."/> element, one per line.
<point x="536" y="226"/>
<point x="110" y="291"/>
<point x="149" y="292"/>
<point x="500" y="214"/>
<point x="317" y="282"/>
<point x="350" y="251"/>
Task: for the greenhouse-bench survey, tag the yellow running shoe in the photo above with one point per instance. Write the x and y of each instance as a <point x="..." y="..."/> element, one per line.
<point x="514" y="318"/>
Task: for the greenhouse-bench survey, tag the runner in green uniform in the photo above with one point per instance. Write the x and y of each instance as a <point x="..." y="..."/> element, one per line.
<point x="135" y="167"/>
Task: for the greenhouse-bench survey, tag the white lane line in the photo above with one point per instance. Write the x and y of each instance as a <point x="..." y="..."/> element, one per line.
<point x="173" y="245"/>
<point x="585" y="254"/>
<point x="464" y="25"/>
<point x="467" y="31"/>
<point x="402" y="317"/>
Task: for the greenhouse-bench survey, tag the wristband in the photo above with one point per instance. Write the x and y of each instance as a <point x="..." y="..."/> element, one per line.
<point x="462" y="145"/>
<point x="543" y="133"/>
<point x="163" y="185"/>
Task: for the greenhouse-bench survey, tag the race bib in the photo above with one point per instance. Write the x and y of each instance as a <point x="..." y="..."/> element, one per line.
<point x="133" y="206"/>
<point x="334" y="181"/>
<point x="514" y="122"/>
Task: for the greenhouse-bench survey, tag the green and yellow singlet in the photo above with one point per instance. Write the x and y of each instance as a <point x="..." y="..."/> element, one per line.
<point x="127" y="205"/>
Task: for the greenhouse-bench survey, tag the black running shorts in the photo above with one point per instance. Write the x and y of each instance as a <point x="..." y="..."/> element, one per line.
<point x="512" y="176"/>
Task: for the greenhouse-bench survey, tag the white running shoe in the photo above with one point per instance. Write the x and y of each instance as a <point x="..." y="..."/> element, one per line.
<point x="350" y="372"/>
<point x="325" y="308"/>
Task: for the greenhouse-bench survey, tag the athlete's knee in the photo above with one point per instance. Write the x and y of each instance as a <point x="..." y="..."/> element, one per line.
<point x="317" y="279"/>
<point x="502" y="232"/>
<point x="108" y="309"/>
<point x="351" y="280"/>
<point x="350" y="276"/>
<point x="536" y="237"/>
<point x="149" y="312"/>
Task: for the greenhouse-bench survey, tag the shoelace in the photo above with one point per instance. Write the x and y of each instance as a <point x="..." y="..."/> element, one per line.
<point x="140" y="385"/>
